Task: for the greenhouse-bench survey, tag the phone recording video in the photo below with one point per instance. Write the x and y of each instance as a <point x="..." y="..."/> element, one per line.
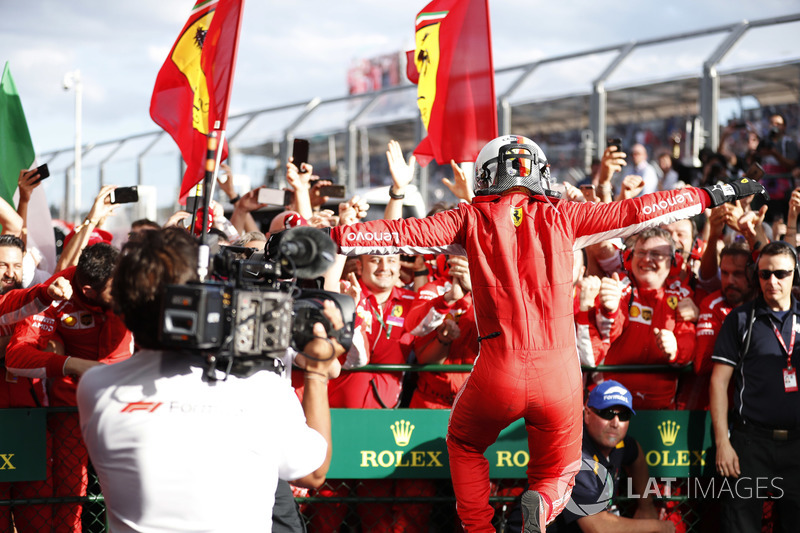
<point x="615" y="142"/>
<point x="124" y="195"/>
<point x="275" y="196"/>
<point x="754" y="172"/>
<point x="334" y="191"/>
<point x="300" y="153"/>
<point x="43" y="172"/>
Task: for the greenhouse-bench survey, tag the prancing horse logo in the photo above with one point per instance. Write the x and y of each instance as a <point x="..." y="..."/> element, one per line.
<point x="516" y="215"/>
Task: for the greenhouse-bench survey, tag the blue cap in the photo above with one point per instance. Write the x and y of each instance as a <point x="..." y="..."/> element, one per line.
<point x="609" y="394"/>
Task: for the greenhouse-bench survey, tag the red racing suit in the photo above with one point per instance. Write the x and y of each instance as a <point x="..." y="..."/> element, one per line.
<point x="633" y="342"/>
<point x="85" y="331"/>
<point x="520" y="253"/>
<point x="693" y="389"/>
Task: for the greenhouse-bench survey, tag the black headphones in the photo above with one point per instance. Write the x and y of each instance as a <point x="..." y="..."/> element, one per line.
<point x="774" y="248"/>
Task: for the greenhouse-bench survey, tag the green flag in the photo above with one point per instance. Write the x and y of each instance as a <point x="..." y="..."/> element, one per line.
<point x="16" y="148"/>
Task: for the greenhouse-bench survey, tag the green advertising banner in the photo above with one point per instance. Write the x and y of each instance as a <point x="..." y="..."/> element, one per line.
<point x="675" y="443"/>
<point x="23" y="439"/>
<point x="410" y="443"/>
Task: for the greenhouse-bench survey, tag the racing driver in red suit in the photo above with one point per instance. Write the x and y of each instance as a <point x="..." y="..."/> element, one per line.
<point x="519" y="241"/>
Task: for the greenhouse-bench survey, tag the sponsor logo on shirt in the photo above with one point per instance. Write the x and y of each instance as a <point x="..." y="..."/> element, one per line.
<point x="665" y="204"/>
<point x="516" y="215"/>
<point x="373" y="236"/>
<point x="44" y="323"/>
<point x="149" y="407"/>
<point x="78" y="320"/>
<point x="641" y="313"/>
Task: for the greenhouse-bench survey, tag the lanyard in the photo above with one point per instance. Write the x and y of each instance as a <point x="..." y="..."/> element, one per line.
<point x="388" y="329"/>
<point x="791" y="340"/>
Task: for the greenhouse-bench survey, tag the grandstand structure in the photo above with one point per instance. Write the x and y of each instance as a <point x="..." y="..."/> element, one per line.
<point x="671" y="91"/>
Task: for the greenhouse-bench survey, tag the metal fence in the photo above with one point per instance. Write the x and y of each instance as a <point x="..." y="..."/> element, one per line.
<point x="71" y="501"/>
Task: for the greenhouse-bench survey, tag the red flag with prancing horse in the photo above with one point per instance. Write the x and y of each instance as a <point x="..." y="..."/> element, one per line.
<point x="192" y="90"/>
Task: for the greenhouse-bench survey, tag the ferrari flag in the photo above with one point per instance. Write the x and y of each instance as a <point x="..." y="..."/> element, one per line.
<point x="192" y="89"/>
<point x="452" y="67"/>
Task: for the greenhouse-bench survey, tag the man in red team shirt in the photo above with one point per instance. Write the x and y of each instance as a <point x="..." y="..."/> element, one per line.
<point x="736" y="290"/>
<point x="381" y="313"/>
<point x="519" y="241"/>
<point x="640" y="320"/>
<point x="85" y="332"/>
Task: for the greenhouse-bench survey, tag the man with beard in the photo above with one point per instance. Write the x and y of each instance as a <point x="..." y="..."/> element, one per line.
<point x="736" y="290"/>
<point x="19" y="391"/>
<point x="61" y="344"/>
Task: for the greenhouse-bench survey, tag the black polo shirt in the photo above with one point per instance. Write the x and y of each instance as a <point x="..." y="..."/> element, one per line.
<point x="760" y="397"/>
<point x="597" y="483"/>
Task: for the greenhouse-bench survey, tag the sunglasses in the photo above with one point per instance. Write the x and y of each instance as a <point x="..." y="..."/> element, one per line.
<point x="609" y="413"/>
<point x="780" y="274"/>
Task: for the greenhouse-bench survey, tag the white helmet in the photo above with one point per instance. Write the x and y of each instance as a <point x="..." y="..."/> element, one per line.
<point x="511" y="161"/>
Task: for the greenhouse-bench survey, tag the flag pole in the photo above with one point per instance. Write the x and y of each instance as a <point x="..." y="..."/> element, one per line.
<point x="211" y="158"/>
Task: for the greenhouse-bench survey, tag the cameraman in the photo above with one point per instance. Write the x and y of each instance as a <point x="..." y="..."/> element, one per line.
<point x="175" y="451"/>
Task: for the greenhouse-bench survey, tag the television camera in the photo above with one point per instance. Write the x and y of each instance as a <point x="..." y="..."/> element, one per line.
<point x="251" y="310"/>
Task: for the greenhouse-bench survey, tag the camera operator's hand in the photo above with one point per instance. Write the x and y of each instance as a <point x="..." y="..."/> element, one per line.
<point x="59" y="289"/>
<point x="321" y="354"/>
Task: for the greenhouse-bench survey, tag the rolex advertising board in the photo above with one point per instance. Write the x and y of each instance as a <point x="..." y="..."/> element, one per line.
<point x="22" y="445"/>
<point x="410" y="443"/>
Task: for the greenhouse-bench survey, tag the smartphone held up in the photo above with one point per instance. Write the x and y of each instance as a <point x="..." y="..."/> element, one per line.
<point x="124" y="195"/>
<point x="300" y="153"/>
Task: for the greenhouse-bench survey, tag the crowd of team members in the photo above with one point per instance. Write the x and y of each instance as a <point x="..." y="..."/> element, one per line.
<point x="659" y="298"/>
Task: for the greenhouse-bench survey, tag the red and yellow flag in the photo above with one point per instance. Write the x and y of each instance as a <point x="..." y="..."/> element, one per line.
<point x="192" y="89"/>
<point x="452" y="67"/>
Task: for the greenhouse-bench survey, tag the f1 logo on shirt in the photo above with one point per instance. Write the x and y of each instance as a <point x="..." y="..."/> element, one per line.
<point x="141" y="406"/>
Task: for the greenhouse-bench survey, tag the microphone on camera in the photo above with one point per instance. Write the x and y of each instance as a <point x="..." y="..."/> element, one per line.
<point x="307" y="252"/>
